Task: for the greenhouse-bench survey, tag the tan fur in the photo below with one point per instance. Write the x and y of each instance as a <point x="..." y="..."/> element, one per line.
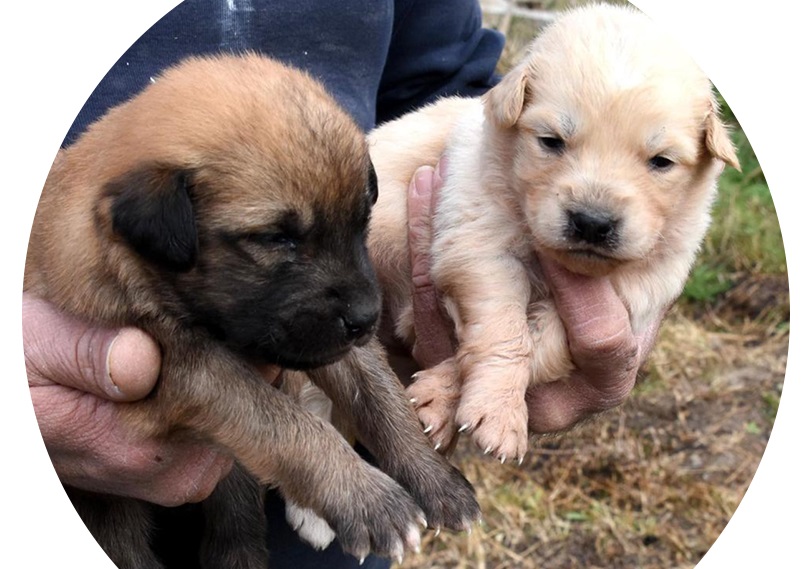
<point x="252" y="140"/>
<point x="618" y="92"/>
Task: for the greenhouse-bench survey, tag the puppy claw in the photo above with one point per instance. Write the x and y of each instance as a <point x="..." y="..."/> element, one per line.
<point x="428" y="429"/>
<point x="437" y="531"/>
<point x="488" y="450"/>
<point x="400" y="559"/>
<point x="362" y="560"/>
<point x="519" y="460"/>
<point x="413" y="400"/>
<point x="423" y="521"/>
<point x="463" y="427"/>
<point x="437" y="446"/>
<point x="413" y="539"/>
<point x="502" y="459"/>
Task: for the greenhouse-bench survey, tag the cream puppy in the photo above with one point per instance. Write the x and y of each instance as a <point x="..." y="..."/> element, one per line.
<point x="601" y="149"/>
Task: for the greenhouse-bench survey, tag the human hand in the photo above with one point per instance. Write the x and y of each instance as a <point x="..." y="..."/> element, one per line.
<point x="79" y="375"/>
<point x="605" y="351"/>
<point x="433" y="334"/>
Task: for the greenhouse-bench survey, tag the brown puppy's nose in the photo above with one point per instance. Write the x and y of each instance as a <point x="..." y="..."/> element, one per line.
<point x="359" y="319"/>
<point x="591" y="227"/>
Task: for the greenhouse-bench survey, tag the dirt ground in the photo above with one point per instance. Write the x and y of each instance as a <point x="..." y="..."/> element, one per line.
<point x="653" y="483"/>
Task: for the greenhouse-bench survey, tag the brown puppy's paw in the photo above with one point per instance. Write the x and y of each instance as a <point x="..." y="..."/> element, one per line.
<point x="442" y="491"/>
<point x="377" y="516"/>
<point x="497" y="422"/>
<point x="435" y="393"/>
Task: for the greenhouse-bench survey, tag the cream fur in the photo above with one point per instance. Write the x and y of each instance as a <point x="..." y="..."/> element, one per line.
<point x="618" y="92"/>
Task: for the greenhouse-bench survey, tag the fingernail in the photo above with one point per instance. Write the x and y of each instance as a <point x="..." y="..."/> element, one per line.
<point x="133" y="364"/>
<point x="116" y="391"/>
<point x="422" y="180"/>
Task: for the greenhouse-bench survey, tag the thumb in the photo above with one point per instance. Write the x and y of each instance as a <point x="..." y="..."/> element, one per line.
<point x="115" y="364"/>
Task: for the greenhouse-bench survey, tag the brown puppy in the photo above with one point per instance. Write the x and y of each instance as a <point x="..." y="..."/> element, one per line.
<point x="223" y="211"/>
<point x="601" y="149"/>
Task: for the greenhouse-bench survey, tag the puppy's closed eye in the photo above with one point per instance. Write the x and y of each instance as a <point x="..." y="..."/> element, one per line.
<point x="283" y="237"/>
<point x="273" y="240"/>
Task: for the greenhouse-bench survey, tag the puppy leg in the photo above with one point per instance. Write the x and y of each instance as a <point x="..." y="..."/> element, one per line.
<point x="364" y="387"/>
<point x="234" y="524"/>
<point x="310" y="527"/>
<point x="550" y="358"/>
<point x="435" y="393"/>
<point x="121" y="527"/>
<point x="494" y="356"/>
<point x="208" y="390"/>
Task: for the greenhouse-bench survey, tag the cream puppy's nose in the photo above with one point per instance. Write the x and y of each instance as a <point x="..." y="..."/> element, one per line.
<point x="592" y="227"/>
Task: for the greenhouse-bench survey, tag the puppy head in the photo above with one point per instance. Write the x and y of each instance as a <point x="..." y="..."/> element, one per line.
<point x="614" y="140"/>
<point x="244" y="193"/>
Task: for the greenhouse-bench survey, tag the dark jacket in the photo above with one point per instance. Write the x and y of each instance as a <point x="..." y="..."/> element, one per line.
<point x="379" y="58"/>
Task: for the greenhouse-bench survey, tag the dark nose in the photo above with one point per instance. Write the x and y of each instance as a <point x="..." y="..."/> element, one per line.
<point x="359" y="319"/>
<point x="592" y="227"/>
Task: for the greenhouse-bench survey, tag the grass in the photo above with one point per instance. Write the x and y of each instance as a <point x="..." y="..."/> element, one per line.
<point x="745" y="236"/>
<point x="653" y="483"/>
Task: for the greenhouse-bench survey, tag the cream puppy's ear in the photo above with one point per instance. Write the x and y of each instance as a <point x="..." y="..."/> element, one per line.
<point x="717" y="139"/>
<point x="505" y="101"/>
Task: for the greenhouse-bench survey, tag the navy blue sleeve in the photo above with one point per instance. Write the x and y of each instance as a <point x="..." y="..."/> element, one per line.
<point x="437" y="49"/>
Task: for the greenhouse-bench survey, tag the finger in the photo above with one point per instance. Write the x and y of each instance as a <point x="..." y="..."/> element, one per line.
<point x="433" y="343"/>
<point x="599" y="332"/>
<point x="419" y="225"/>
<point x="558" y="406"/>
<point x="116" y="364"/>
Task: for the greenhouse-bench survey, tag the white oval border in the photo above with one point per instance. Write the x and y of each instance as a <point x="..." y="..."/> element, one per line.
<point x="54" y="54"/>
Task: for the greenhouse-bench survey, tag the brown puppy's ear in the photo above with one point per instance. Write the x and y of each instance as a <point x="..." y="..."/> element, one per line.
<point x="152" y="210"/>
<point x="717" y="139"/>
<point x="505" y="101"/>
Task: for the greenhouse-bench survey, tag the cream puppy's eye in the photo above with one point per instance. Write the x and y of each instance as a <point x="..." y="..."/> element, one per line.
<point x="552" y="144"/>
<point x="660" y="163"/>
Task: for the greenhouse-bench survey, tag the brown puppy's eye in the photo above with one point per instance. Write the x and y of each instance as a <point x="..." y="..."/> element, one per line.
<point x="278" y="240"/>
<point x="660" y="163"/>
<point x="552" y="143"/>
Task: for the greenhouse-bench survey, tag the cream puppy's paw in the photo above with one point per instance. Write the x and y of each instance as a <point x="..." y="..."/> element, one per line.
<point x="497" y="421"/>
<point x="434" y="394"/>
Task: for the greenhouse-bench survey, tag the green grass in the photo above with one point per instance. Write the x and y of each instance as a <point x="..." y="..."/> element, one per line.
<point x="745" y="237"/>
